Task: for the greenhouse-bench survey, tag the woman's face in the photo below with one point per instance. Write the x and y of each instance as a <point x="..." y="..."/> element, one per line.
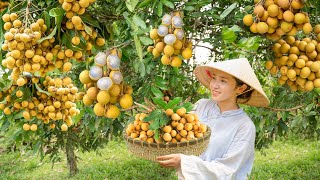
<point x="223" y="87"/>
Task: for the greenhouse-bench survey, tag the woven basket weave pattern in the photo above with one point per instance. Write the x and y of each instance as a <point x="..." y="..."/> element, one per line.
<point x="150" y="151"/>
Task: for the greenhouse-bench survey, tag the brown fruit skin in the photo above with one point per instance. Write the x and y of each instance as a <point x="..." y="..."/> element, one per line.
<point x="253" y="28"/>
<point x="248" y="20"/>
<point x="262" y="27"/>
<point x="296" y="4"/>
<point x="258" y="10"/>
<point x="316" y="29"/>
<point x="288" y="16"/>
<point x="299" y="18"/>
<point x="307" y="28"/>
<point x="273" y="10"/>
<point x="284" y="4"/>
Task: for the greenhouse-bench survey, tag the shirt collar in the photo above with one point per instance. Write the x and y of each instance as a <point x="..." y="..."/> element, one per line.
<point x="229" y="112"/>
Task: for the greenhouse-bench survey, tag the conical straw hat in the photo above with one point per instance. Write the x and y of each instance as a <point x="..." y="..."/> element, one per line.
<point x="240" y="69"/>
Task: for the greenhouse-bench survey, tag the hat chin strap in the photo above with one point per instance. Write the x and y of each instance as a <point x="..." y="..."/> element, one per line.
<point x="250" y="89"/>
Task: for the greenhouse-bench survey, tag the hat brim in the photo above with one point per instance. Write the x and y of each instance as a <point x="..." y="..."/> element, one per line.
<point x="258" y="98"/>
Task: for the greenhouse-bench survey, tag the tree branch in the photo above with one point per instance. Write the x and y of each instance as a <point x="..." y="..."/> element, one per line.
<point x="211" y="49"/>
<point x="282" y="109"/>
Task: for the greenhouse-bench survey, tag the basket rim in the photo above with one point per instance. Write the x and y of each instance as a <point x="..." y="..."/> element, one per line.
<point x="168" y="144"/>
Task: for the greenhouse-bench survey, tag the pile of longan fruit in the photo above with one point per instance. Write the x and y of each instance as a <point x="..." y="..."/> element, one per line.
<point x="182" y="127"/>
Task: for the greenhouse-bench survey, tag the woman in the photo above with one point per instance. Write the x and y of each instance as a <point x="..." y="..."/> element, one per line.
<point x="230" y="152"/>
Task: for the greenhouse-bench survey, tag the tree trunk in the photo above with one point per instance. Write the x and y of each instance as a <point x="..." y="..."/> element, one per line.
<point x="71" y="157"/>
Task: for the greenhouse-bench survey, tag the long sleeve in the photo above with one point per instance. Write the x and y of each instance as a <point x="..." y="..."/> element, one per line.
<point x="238" y="153"/>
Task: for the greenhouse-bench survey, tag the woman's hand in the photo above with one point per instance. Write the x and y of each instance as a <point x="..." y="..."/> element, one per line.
<point x="170" y="161"/>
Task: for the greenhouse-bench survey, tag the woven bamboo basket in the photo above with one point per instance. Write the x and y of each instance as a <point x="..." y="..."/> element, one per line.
<point x="150" y="151"/>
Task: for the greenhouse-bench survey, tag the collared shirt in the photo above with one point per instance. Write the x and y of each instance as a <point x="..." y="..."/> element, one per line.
<point x="230" y="152"/>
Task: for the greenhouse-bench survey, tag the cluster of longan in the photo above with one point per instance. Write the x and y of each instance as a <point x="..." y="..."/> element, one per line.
<point x="58" y="104"/>
<point x="25" y="54"/>
<point x="276" y="18"/>
<point x="182" y="127"/>
<point x="74" y="9"/>
<point x="3" y="5"/>
<point x="104" y="85"/>
<point x="298" y="62"/>
<point x="170" y="41"/>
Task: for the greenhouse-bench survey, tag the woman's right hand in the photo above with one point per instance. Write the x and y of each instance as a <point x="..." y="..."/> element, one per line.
<point x="170" y="161"/>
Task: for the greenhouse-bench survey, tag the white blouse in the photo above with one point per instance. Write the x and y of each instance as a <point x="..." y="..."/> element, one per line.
<point x="230" y="152"/>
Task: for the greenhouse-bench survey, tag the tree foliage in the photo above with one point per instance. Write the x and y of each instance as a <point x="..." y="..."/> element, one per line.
<point x="214" y="25"/>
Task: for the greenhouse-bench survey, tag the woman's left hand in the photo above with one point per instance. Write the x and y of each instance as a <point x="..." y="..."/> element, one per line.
<point x="170" y="161"/>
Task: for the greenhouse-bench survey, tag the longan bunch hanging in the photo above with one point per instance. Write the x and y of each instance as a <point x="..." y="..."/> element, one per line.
<point x="182" y="127"/>
<point x="3" y="5"/>
<point x="27" y="54"/>
<point x="58" y="105"/>
<point x="104" y="85"/>
<point x="74" y="9"/>
<point x="13" y="97"/>
<point x="170" y="41"/>
<point x="297" y="61"/>
<point x="276" y="18"/>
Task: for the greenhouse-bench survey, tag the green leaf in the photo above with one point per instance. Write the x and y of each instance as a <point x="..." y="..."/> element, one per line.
<point x="86" y="18"/>
<point x="145" y="40"/>
<point x="163" y="120"/>
<point x="189" y="8"/>
<point x="159" y="102"/>
<point x="228" y="35"/>
<point x="236" y="28"/>
<point x="188" y="105"/>
<point x="144" y="3"/>
<point x="47" y="19"/>
<point x="8" y="85"/>
<point x="5" y="125"/>
<point x="58" y="13"/>
<point x="161" y="83"/>
<point x="154" y="125"/>
<point x="88" y="29"/>
<point x="36" y="147"/>
<point x="131" y="4"/>
<point x="156" y="134"/>
<point x="173" y="81"/>
<point x="226" y="12"/>
<point x="49" y="36"/>
<point x="309" y="107"/>
<point x="156" y="92"/>
<point x="138" y="21"/>
<point x="18" y="115"/>
<point x="153" y="115"/>
<point x="168" y="3"/>
<point x="141" y="68"/>
<point x="138" y="47"/>
<point x="159" y="9"/>
<point x="40" y="90"/>
<point x="173" y="103"/>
